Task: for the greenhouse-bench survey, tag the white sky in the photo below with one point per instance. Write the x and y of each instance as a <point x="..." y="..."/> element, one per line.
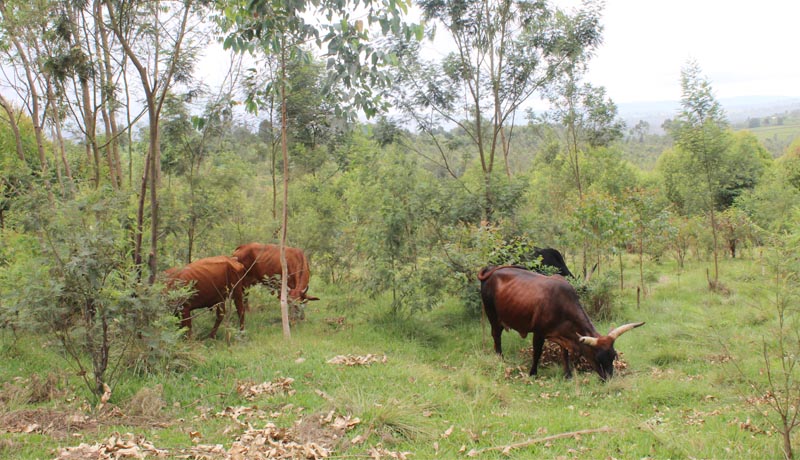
<point x="744" y="48"/>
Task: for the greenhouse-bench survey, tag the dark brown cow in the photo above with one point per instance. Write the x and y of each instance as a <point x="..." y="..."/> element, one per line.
<point x="213" y="279"/>
<point x="547" y="306"/>
<point x="263" y="261"/>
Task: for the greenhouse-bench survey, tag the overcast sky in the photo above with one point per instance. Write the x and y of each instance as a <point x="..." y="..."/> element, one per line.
<point x="744" y="48"/>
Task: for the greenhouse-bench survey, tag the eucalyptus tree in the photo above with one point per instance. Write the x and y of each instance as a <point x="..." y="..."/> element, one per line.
<point x="64" y="53"/>
<point x="701" y="131"/>
<point x="504" y="52"/>
<point x="309" y="111"/>
<point x="21" y="22"/>
<point x="160" y="39"/>
<point x="286" y="30"/>
<point x="587" y="119"/>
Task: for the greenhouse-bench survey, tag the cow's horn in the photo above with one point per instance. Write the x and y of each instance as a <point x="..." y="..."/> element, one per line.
<point x="616" y="332"/>
<point x="585" y="339"/>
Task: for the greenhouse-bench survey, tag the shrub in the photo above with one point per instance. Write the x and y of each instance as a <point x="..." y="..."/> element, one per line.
<point x="82" y="287"/>
<point x="599" y="296"/>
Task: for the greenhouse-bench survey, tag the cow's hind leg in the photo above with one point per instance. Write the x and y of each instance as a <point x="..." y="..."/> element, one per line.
<point x="497" y="331"/>
<point x="538" y="346"/>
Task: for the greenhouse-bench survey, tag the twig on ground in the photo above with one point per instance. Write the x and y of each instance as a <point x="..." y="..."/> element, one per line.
<point x="530" y="442"/>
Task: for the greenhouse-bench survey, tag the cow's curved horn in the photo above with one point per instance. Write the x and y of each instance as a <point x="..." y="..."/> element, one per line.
<point x="585" y="339"/>
<point x="616" y="332"/>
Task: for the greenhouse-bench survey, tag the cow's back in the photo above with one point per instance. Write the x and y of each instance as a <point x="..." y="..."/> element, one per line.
<point x="212" y="279"/>
<point x="525" y="301"/>
<point x="259" y="260"/>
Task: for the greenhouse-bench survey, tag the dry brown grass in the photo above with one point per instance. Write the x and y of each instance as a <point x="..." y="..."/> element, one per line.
<point x="147" y="402"/>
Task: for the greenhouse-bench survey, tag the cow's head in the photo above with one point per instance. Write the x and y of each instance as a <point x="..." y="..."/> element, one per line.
<point x="301" y="295"/>
<point x="599" y="351"/>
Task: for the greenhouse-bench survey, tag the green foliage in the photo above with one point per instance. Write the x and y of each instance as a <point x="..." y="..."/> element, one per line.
<point x="354" y="67"/>
<point x="82" y="288"/>
<point x="16" y="175"/>
<point x="599" y="296"/>
<point x="777" y="382"/>
<point x="683" y="234"/>
<point x="737" y="230"/>
<point x="393" y="200"/>
<point x="771" y="203"/>
<point x="520" y="48"/>
<point x="701" y="135"/>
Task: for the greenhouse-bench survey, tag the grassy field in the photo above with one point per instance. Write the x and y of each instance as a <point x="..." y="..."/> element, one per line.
<point x="426" y="387"/>
<point x="776" y="138"/>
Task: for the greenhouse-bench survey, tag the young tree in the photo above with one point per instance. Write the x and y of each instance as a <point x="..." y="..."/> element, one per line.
<point x="649" y="221"/>
<point x="20" y="23"/>
<point x="161" y="55"/>
<point x="505" y="52"/>
<point x="281" y="28"/>
<point x="776" y="381"/>
<point x="700" y="130"/>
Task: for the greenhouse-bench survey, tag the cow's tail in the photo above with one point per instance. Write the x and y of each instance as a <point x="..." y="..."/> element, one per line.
<point x="487" y="302"/>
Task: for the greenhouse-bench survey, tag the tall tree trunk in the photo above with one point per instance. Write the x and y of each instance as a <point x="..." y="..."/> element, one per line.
<point x="155" y="94"/>
<point x="154" y="180"/>
<point x="287" y="333"/>
<point x="57" y="167"/>
<point x="109" y="99"/>
<point x="12" y="121"/>
<point x="28" y="69"/>
<point x="716" y="248"/>
<point x="275" y="180"/>
<point x="138" y="233"/>
<point x="87" y="104"/>
<point x="56" y="119"/>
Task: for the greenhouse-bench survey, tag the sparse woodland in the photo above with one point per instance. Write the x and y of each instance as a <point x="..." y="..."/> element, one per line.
<point x="400" y="178"/>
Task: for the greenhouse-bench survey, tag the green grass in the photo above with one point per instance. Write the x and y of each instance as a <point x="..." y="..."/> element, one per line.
<point x="678" y="398"/>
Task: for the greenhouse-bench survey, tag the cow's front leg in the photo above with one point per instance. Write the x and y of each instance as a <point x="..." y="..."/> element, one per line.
<point x="186" y="321"/>
<point x="567" y="364"/>
<point x="219" y="309"/>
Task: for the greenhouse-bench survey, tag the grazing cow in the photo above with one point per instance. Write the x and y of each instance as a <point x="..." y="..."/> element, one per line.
<point x="552" y="258"/>
<point x="547" y="306"/>
<point x="212" y="279"/>
<point x="263" y="261"/>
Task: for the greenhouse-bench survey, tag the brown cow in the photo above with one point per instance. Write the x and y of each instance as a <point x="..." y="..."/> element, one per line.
<point x="212" y="279"/>
<point x="263" y="261"/>
<point x="547" y="306"/>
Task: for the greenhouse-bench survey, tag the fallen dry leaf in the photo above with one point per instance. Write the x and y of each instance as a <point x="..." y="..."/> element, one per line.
<point x="447" y="432"/>
<point x="250" y="390"/>
<point x="356" y="360"/>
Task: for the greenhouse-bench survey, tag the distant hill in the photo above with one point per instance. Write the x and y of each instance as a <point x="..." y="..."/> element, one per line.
<point x="738" y="110"/>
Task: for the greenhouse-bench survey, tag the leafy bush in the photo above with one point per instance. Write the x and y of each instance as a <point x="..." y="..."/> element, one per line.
<point x="82" y="287"/>
<point x="599" y="295"/>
